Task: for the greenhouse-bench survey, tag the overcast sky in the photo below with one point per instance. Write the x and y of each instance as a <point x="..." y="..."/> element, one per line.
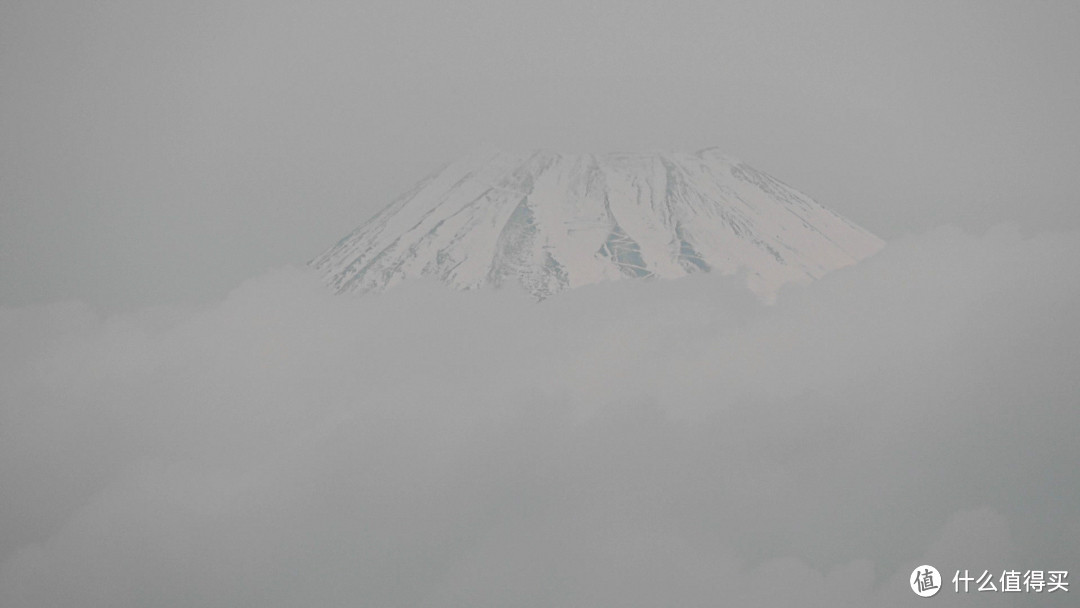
<point x="156" y="153"/>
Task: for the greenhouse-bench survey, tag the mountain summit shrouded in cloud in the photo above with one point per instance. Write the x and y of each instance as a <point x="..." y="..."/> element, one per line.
<point x="553" y="221"/>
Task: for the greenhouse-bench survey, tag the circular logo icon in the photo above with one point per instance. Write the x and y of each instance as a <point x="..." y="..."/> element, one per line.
<point x="925" y="581"/>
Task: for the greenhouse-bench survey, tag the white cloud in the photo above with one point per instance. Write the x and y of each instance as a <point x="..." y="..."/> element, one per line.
<point x="624" y="444"/>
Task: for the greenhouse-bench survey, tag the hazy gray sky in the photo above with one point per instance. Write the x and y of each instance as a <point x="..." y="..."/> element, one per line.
<point x="162" y="152"/>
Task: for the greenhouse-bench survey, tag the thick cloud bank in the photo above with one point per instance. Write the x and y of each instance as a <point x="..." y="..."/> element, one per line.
<point x="627" y="444"/>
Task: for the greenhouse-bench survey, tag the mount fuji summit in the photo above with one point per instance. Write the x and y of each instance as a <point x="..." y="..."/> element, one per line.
<point x="552" y="222"/>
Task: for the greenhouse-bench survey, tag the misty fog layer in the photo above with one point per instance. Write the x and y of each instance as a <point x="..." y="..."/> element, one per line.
<point x="656" y="443"/>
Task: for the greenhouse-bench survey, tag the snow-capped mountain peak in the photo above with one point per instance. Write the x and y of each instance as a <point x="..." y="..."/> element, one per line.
<point x="552" y="222"/>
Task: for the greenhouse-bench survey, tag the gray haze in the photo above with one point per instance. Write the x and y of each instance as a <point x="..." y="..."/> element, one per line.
<point x="189" y="418"/>
<point x="667" y="443"/>
<point x="162" y="152"/>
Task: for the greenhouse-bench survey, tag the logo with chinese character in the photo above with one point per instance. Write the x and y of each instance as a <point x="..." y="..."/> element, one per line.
<point x="925" y="581"/>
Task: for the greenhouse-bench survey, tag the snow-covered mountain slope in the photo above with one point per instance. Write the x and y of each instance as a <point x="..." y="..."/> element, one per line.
<point x="553" y="222"/>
